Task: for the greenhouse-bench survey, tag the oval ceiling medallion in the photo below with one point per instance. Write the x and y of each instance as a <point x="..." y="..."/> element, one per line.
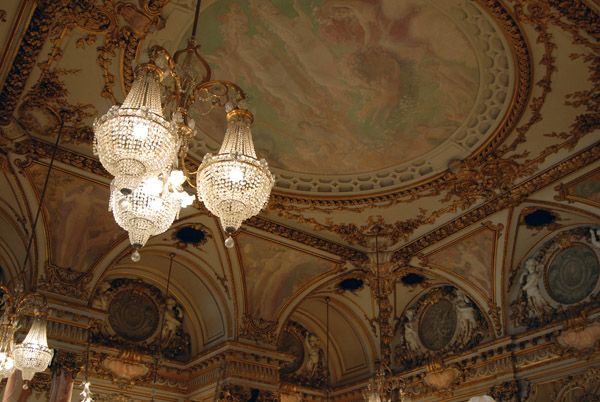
<point x="133" y="316"/>
<point x="438" y="325"/>
<point x="572" y="274"/>
<point x="354" y="97"/>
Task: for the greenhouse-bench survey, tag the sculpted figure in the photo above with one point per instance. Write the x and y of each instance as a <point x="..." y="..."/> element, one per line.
<point x="533" y="277"/>
<point x="312" y="346"/>
<point x="101" y="301"/>
<point x="465" y="317"/>
<point x="411" y="335"/>
<point x="172" y="320"/>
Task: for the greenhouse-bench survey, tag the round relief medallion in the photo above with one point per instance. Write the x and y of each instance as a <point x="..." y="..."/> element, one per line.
<point x="573" y="274"/>
<point x="438" y="325"/>
<point x="290" y="343"/>
<point x="133" y="316"/>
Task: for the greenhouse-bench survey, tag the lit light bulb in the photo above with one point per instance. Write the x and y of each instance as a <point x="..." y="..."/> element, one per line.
<point x="153" y="186"/>
<point x="236" y="174"/>
<point x="176" y="178"/>
<point x="156" y="204"/>
<point x="140" y="131"/>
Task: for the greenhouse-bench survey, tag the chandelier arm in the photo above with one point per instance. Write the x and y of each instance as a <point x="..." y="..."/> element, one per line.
<point x="192" y="48"/>
<point x="157" y="50"/>
<point x="30" y="298"/>
<point x="203" y="86"/>
<point x="186" y="173"/>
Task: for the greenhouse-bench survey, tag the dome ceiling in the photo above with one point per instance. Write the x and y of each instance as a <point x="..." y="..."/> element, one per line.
<point x="351" y="98"/>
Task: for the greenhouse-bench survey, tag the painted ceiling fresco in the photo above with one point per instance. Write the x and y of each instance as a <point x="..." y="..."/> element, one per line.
<point x="337" y="84"/>
<point x="271" y="282"/>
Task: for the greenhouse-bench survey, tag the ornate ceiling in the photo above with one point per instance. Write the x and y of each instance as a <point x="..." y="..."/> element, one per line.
<point x="460" y="138"/>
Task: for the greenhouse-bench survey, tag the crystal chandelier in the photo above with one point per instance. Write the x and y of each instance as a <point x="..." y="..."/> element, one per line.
<point x="150" y="208"/>
<point x="33" y="354"/>
<point x="136" y="143"/>
<point x="7" y="345"/>
<point x="233" y="184"/>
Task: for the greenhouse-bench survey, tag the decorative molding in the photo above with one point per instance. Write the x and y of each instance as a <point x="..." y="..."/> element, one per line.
<point x="259" y="329"/>
<point x="65" y="281"/>
<point x="347" y="253"/>
<point x="67" y="362"/>
<point x="33" y="40"/>
<point x="511" y="198"/>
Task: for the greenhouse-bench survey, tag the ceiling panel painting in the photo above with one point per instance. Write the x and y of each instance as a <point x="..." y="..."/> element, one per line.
<point x="274" y="273"/>
<point x="80" y="226"/>
<point x="471" y="258"/>
<point x="585" y="189"/>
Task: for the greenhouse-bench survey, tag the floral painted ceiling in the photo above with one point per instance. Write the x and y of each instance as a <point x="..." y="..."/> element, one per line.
<point x="436" y="204"/>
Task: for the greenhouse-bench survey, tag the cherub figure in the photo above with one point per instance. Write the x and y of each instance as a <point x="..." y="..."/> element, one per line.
<point x="411" y="336"/>
<point x="465" y="317"/>
<point x="536" y="302"/>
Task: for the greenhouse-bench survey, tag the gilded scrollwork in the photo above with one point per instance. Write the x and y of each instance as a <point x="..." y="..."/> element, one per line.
<point x="342" y="251"/>
<point x="580" y="387"/>
<point x="506" y="392"/>
<point x="513" y="197"/>
<point x="65" y="281"/>
<point x="41" y="384"/>
<point x="259" y="329"/>
<point x="239" y="393"/>
<point x="66" y="362"/>
<point x="33" y="40"/>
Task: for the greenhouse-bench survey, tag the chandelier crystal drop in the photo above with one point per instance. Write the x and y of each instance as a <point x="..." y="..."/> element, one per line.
<point x="33" y="355"/>
<point x="233" y="184"/>
<point x="150" y="208"/>
<point x="7" y="345"/>
<point x="134" y="141"/>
